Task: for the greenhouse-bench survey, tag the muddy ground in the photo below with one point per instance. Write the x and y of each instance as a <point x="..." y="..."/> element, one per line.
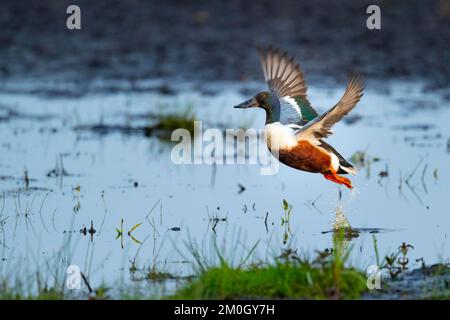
<point x="427" y="282"/>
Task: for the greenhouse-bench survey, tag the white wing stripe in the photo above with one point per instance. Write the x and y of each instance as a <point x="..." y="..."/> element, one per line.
<point x="290" y="111"/>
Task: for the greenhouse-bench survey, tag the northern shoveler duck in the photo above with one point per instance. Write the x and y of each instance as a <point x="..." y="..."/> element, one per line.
<point x="294" y="129"/>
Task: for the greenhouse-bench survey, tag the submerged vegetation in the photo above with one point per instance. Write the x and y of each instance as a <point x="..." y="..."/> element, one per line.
<point x="164" y="124"/>
<point x="287" y="208"/>
<point x="170" y="122"/>
<point x="159" y="125"/>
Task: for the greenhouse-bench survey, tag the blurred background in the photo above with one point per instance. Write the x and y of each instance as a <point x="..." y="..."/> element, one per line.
<point x="215" y="40"/>
<point x="86" y="176"/>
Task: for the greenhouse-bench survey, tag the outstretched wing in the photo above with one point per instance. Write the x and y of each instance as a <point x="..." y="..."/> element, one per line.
<point x="321" y="126"/>
<point x="284" y="77"/>
<point x="281" y="73"/>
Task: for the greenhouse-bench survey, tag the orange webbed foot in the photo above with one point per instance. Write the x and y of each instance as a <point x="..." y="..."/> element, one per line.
<point x="333" y="176"/>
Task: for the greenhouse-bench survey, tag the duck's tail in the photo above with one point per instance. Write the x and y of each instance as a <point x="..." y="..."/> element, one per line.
<point x="352" y="170"/>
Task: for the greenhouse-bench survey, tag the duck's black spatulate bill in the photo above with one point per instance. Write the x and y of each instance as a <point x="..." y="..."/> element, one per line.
<point x="247" y="104"/>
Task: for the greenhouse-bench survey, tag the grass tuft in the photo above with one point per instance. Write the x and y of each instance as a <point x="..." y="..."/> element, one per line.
<point x="290" y="277"/>
<point x="282" y="280"/>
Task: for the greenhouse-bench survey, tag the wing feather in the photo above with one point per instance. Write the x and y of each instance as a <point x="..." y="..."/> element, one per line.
<point x="321" y="126"/>
<point x="283" y="75"/>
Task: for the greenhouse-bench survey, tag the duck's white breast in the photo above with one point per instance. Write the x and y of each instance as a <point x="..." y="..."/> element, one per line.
<point x="280" y="136"/>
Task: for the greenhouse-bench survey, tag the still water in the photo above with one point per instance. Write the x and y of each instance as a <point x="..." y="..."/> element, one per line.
<point x="57" y="176"/>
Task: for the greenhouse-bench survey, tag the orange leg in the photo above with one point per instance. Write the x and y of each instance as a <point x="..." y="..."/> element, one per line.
<point x="333" y="176"/>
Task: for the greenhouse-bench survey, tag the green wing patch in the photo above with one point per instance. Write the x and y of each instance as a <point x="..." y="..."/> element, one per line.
<point x="308" y="112"/>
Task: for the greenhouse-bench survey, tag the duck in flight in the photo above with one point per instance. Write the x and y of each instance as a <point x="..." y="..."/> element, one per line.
<point x="294" y="130"/>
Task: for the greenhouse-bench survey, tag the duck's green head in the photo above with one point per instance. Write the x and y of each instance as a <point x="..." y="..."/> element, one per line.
<point x="267" y="101"/>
